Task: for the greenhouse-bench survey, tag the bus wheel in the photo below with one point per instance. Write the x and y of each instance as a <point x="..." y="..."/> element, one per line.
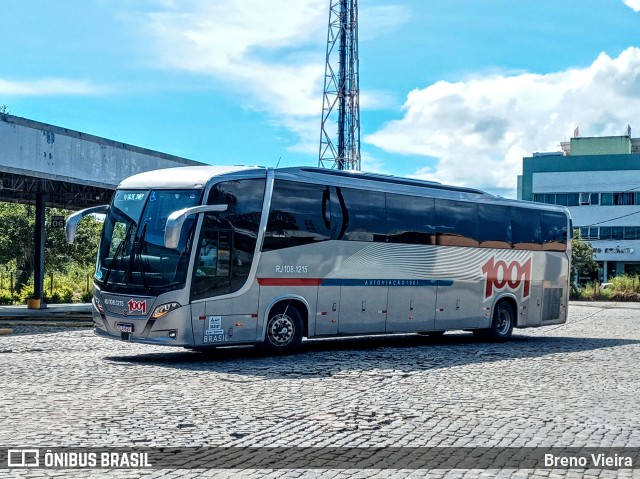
<point x="284" y="330"/>
<point x="501" y="325"/>
<point x="503" y="322"/>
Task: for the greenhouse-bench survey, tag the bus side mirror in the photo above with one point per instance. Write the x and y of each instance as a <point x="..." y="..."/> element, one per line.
<point x="71" y="225"/>
<point x="175" y="222"/>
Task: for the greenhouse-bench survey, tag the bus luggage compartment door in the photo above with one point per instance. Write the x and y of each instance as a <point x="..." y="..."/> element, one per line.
<point x="458" y="304"/>
<point x="411" y="307"/>
<point x="327" y="310"/>
<point x="363" y="309"/>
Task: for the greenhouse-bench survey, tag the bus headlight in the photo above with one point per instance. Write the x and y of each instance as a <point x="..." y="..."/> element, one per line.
<point x="163" y="309"/>
<point x="98" y="305"/>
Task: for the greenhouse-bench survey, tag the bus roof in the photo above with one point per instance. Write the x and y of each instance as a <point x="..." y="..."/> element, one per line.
<point x="200" y="176"/>
<point x="181" y="177"/>
<point x="388" y="179"/>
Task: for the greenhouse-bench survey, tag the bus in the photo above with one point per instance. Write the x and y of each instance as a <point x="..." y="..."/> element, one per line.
<point x="208" y="256"/>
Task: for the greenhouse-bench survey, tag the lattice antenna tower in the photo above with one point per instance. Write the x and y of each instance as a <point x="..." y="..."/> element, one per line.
<point x="341" y="98"/>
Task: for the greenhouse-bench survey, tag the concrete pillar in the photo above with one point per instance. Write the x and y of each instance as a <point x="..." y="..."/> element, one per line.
<point x="38" y="241"/>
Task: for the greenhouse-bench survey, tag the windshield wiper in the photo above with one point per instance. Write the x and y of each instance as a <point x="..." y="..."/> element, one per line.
<point x="138" y="245"/>
<point x="118" y="252"/>
<point x="135" y="254"/>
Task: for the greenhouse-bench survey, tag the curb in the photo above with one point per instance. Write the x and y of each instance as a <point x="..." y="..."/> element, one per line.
<point x="9" y="323"/>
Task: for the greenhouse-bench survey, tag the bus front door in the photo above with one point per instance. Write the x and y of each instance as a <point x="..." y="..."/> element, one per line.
<point x="221" y="268"/>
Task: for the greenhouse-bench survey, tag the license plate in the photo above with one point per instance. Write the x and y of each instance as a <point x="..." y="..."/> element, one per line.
<point x="124" y="327"/>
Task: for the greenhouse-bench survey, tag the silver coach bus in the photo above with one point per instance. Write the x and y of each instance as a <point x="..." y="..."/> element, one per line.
<point x="209" y="256"/>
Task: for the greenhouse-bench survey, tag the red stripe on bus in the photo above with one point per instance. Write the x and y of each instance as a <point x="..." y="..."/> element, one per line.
<point x="289" y="281"/>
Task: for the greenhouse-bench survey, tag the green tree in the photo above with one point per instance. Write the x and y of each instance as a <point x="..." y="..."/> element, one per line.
<point x="17" y="224"/>
<point x="60" y="255"/>
<point x="16" y="227"/>
<point x="582" y="262"/>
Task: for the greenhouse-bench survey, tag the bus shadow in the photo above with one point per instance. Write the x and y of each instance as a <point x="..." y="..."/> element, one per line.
<point x="405" y="353"/>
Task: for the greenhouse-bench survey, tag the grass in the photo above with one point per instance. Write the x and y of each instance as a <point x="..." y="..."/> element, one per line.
<point x="622" y="288"/>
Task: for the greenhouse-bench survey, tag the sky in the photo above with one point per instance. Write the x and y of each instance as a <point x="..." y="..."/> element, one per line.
<point x="455" y="91"/>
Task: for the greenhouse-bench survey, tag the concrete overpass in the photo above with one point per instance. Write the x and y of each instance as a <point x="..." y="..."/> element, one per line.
<point x="48" y="165"/>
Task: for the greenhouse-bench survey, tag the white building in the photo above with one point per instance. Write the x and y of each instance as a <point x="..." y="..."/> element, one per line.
<point x="598" y="179"/>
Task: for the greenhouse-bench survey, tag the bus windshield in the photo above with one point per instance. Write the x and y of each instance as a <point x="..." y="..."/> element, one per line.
<point x="132" y="256"/>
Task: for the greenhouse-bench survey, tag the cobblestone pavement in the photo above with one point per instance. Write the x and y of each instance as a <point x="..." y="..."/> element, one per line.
<point x="572" y="385"/>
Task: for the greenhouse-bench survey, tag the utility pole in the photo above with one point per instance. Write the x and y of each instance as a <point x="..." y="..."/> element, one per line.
<point x="341" y="98"/>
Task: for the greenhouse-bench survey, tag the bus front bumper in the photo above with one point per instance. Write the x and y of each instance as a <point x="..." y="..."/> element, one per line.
<point x="169" y="338"/>
<point x="172" y="330"/>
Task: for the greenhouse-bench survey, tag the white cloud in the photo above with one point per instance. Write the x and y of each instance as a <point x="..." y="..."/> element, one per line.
<point x="271" y="54"/>
<point x="256" y="47"/>
<point x="49" y="86"/>
<point x="481" y="128"/>
<point x="632" y="4"/>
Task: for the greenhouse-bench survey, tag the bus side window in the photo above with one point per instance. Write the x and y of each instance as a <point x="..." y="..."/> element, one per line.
<point x="554" y="231"/>
<point x="495" y="226"/>
<point x="228" y="239"/>
<point x="300" y="214"/>
<point x="456" y="223"/>
<point x="364" y="215"/>
<point x="213" y="268"/>
<point x="208" y="258"/>
<point x="410" y="219"/>
<point x="215" y="253"/>
<point x="525" y="228"/>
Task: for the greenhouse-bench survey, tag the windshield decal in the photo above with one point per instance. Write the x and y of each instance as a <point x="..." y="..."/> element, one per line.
<point x="133" y="196"/>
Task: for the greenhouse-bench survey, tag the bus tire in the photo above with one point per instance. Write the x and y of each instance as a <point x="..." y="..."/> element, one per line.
<point x="284" y="330"/>
<point x="503" y="321"/>
<point x="501" y="325"/>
